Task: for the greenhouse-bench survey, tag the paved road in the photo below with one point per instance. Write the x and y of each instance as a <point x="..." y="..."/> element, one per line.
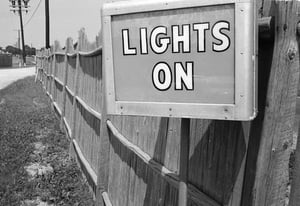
<point x="8" y="76"/>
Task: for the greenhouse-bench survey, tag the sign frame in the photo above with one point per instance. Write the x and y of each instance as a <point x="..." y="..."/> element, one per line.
<point x="245" y="71"/>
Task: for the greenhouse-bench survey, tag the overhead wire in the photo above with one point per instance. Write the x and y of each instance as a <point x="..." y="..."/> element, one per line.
<point x="33" y="13"/>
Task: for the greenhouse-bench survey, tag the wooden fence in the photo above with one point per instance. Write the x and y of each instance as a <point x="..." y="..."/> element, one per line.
<point x="134" y="161"/>
<point x="71" y="79"/>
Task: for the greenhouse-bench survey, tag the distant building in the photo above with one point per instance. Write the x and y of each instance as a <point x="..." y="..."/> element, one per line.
<point x="5" y="59"/>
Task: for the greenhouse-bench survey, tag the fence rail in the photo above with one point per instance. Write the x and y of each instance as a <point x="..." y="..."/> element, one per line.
<point x="134" y="161"/>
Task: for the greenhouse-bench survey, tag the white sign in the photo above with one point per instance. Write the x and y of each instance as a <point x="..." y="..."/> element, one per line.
<point x="184" y="58"/>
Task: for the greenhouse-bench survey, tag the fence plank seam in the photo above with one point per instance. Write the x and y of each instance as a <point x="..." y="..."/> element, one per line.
<point x="53" y="72"/>
<point x="75" y="93"/>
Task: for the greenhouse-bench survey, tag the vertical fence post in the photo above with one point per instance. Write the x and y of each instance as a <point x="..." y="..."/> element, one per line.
<point x="69" y="45"/>
<point x="271" y="135"/>
<point x="53" y="72"/>
<point x="184" y="161"/>
<point x="49" y="79"/>
<point x="295" y="186"/>
<point x="37" y="67"/>
<point x="38" y="62"/>
<point x="49" y="70"/>
<point x="42" y="60"/>
<point x="76" y="83"/>
<point x="47" y="64"/>
<point x="103" y="170"/>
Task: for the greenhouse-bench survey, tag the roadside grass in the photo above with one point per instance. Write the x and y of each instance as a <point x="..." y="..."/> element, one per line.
<point x="27" y="120"/>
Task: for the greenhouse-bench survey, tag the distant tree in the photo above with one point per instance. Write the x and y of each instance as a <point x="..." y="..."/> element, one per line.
<point x="13" y="50"/>
<point x="29" y="50"/>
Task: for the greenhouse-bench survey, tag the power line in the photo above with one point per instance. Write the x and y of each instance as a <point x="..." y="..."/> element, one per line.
<point x="33" y="13"/>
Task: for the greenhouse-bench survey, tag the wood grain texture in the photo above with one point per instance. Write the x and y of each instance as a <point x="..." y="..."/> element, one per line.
<point x="125" y="157"/>
<point x="87" y="132"/>
<point x="142" y="184"/>
<point x="158" y="137"/>
<point x="88" y="108"/>
<point x="217" y="150"/>
<point x="76" y="84"/>
<point x="85" y="163"/>
<point x="272" y="179"/>
<point x="68" y="109"/>
<point x="197" y="198"/>
<point x="165" y="172"/>
<point x="295" y="183"/>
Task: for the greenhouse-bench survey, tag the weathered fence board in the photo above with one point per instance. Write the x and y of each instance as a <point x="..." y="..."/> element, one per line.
<point x="271" y="140"/>
<point x="90" y="81"/>
<point x="87" y="134"/>
<point x="71" y="72"/>
<point x="217" y="150"/>
<point x="68" y="107"/>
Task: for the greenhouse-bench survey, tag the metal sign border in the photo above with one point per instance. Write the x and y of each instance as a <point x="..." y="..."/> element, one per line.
<point x="245" y="106"/>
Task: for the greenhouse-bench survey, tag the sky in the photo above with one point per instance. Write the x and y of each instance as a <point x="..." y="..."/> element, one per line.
<point x="67" y="17"/>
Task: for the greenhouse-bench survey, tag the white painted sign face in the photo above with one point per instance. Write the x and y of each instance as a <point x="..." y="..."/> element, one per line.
<point x="180" y="58"/>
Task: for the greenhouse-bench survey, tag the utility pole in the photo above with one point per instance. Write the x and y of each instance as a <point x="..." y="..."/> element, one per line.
<point x="47" y="24"/>
<point x="19" y="39"/>
<point x="22" y="32"/>
<point x="20" y="6"/>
